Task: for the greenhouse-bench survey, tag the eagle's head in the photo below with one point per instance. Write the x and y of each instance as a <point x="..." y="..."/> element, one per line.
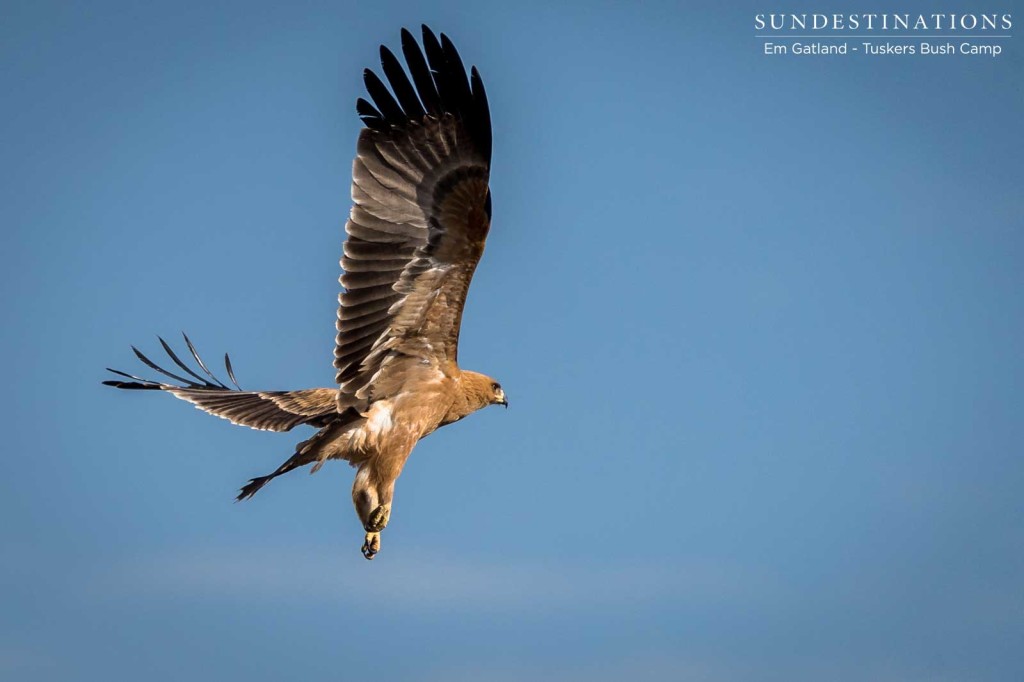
<point x="498" y="394"/>
<point x="479" y="391"/>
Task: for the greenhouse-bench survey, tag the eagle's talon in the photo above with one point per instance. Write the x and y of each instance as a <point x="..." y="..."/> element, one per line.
<point x="371" y="545"/>
<point x="378" y="520"/>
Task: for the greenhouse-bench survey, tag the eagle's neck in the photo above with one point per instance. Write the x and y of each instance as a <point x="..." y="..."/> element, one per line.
<point x="473" y="393"/>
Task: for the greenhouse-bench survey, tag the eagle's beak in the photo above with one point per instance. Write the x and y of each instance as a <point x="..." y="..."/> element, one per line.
<point x="502" y="400"/>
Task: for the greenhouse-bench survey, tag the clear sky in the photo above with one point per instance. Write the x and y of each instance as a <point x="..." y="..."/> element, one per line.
<point x="759" y="320"/>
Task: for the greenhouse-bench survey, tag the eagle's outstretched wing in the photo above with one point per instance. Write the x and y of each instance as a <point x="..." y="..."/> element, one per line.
<point x="420" y="217"/>
<point x="264" y="410"/>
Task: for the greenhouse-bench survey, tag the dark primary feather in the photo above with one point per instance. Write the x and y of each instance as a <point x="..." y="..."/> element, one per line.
<point x="267" y="410"/>
<point x="404" y="91"/>
<point x="387" y="105"/>
<point x="441" y="87"/>
<point x="199" y="360"/>
<point x="481" y="120"/>
<point x="425" y="87"/>
<point x="456" y="75"/>
<point x="369" y="115"/>
<point x="179" y="363"/>
<point x="231" y="372"/>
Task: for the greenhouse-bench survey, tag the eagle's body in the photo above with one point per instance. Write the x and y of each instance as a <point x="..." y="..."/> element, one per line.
<point x="415" y="235"/>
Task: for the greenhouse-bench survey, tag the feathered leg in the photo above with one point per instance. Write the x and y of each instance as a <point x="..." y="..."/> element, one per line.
<point x="364" y="497"/>
<point x="372" y="500"/>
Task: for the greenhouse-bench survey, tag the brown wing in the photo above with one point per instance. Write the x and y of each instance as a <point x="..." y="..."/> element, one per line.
<point x="264" y="410"/>
<point x="420" y="216"/>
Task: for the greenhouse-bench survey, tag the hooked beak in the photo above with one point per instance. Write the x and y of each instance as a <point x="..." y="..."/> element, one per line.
<point x="502" y="399"/>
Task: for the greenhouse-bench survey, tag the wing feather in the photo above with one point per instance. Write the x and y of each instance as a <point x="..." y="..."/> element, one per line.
<point x="421" y="211"/>
<point x="404" y="90"/>
<point x="425" y="87"/>
<point x="387" y="105"/>
<point x="264" y="410"/>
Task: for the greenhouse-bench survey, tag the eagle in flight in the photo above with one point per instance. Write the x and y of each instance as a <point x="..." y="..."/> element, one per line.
<point x="421" y="212"/>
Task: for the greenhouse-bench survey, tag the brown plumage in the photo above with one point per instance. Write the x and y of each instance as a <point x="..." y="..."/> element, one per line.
<point x="421" y="214"/>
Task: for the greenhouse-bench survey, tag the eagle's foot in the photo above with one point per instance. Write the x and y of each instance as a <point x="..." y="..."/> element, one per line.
<point x="371" y="545"/>
<point x="378" y="520"/>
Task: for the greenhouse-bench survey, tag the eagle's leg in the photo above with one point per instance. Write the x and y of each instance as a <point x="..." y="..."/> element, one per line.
<point x="373" y="505"/>
<point x="364" y="495"/>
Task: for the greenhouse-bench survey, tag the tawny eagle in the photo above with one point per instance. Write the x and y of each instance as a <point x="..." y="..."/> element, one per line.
<point x="421" y="212"/>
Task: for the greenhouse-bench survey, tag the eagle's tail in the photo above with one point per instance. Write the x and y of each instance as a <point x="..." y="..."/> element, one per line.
<point x="306" y="452"/>
<point x="266" y="410"/>
<point x="254" y="485"/>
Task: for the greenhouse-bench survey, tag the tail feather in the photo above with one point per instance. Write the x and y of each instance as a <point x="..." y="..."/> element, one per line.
<point x="300" y="458"/>
<point x="253" y="486"/>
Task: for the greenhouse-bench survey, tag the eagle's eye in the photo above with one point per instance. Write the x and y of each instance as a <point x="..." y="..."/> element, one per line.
<point x="495" y="387"/>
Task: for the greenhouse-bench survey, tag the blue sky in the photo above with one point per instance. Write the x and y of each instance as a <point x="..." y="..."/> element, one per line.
<point x="759" y="320"/>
